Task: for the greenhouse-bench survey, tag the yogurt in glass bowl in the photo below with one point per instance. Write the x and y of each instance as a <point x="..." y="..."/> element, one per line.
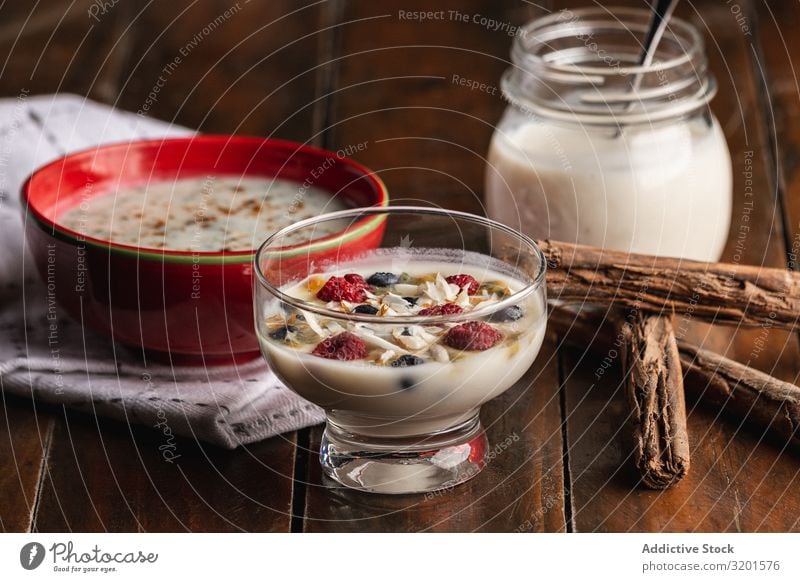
<point x="401" y="343"/>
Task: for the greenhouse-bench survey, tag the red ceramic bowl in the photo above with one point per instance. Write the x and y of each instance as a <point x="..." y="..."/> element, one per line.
<point x="183" y="307"/>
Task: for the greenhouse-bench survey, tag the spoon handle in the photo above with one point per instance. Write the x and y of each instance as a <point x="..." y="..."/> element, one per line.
<point x="662" y="12"/>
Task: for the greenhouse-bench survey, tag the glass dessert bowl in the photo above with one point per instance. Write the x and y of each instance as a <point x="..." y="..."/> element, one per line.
<point x="403" y="341"/>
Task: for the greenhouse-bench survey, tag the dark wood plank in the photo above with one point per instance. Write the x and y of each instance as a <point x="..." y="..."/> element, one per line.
<point x="427" y="137"/>
<point x="521" y="489"/>
<point x="717" y="495"/>
<point x="227" y="67"/>
<point x="47" y="47"/>
<point x="107" y="476"/>
<point x="738" y="481"/>
<point x="776" y="28"/>
<point x="60" y="46"/>
<point x="24" y="442"/>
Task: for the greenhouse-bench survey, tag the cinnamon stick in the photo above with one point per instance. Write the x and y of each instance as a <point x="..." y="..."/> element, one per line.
<point x="654" y="388"/>
<point x="768" y="404"/>
<point x="723" y="293"/>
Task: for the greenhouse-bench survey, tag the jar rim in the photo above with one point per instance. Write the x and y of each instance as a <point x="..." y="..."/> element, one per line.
<point x="551" y="80"/>
<point x="537" y="27"/>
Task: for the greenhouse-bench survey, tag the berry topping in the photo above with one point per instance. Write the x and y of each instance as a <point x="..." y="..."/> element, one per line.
<point x="406" y="383"/>
<point x="343" y="346"/>
<point x="474" y="335"/>
<point x="407" y="360"/>
<point x="446" y="309"/>
<point x="356" y="281"/>
<point x="464" y="281"/>
<point x="340" y="289"/>
<point x="280" y="333"/>
<point x="383" y="279"/>
<point x="512" y="313"/>
<point x="366" y="309"/>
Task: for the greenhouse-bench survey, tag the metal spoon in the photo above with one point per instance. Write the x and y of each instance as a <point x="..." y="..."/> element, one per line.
<point x="662" y="12"/>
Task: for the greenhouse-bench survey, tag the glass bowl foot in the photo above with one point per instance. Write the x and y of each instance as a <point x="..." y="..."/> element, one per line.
<point x="404" y="465"/>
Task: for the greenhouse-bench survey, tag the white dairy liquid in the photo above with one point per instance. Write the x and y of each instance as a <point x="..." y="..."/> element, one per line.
<point x="371" y="400"/>
<point x="664" y="191"/>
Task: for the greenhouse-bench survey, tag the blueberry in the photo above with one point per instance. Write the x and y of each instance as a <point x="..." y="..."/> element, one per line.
<point x="411" y="300"/>
<point x="406" y="383"/>
<point x="512" y="313"/>
<point x="383" y="279"/>
<point x="366" y="309"/>
<point x="280" y="333"/>
<point x="406" y="332"/>
<point x="407" y="360"/>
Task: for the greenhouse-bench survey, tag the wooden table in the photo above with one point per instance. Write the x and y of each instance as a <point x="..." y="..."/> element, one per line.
<point x="338" y="73"/>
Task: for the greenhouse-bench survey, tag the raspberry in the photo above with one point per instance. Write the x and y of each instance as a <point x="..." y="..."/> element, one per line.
<point x="446" y="309"/>
<point x="340" y="289"/>
<point x="463" y="281"/>
<point x="474" y="335"/>
<point x="356" y="281"/>
<point x="344" y="346"/>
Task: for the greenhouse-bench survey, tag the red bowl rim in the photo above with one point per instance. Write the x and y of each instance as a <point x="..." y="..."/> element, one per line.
<point x="205" y="257"/>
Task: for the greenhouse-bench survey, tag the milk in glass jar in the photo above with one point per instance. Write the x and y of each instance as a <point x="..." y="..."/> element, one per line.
<point x="597" y="149"/>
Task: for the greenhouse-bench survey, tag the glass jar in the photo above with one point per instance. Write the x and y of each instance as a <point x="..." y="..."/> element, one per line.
<point x="597" y="149"/>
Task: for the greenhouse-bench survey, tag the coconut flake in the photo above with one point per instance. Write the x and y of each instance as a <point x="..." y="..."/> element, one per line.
<point x="433" y="330"/>
<point x="386" y="311"/>
<point x="415" y="338"/>
<point x="462" y="299"/>
<point x="483" y="300"/>
<point x="412" y="342"/>
<point x="440" y="291"/>
<point x="396" y="303"/>
<point x="386" y="356"/>
<point x="393" y="299"/>
<point x="334" y="327"/>
<point x="427" y="336"/>
<point x="377" y="342"/>
<point x="439" y="353"/>
<point x="313" y="323"/>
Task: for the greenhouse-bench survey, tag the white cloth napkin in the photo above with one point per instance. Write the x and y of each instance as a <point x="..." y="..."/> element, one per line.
<point x="227" y="406"/>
